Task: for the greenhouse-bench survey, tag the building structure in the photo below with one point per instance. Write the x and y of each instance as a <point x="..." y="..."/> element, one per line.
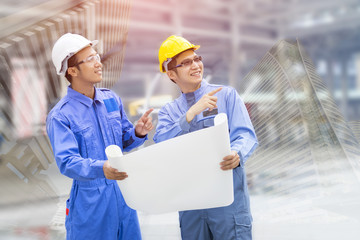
<point x="309" y="123"/>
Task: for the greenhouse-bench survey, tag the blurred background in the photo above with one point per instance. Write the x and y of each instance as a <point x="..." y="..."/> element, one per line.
<point x="295" y="63"/>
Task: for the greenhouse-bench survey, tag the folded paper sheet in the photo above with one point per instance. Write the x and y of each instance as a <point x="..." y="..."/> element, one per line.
<point x="182" y="173"/>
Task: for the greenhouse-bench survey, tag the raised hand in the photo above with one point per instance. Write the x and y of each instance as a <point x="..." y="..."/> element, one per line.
<point x="206" y="101"/>
<point x="144" y="124"/>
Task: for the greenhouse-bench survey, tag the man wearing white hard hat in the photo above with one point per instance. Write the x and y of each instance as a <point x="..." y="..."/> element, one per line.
<point x="196" y="107"/>
<point x="80" y="127"/>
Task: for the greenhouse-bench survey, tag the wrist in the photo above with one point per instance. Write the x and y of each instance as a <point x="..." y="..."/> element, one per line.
<point x="139" y="135"/>
<point x="189" y="116"/>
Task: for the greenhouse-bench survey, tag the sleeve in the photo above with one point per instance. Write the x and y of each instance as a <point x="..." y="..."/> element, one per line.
<point x="171" y="124"/>
<point x="129" y="138"/>
<point x="67" y="155"/>
<point x="242" y="134"/>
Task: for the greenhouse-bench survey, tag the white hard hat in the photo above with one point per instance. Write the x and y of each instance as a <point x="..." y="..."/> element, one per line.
<point x="67" y="46"/>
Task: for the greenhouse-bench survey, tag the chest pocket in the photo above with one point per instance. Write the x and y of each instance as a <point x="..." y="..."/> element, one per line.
<point x="85" y="135"/>
<point x="114" y="120"/>
<point x="206" y="122"/>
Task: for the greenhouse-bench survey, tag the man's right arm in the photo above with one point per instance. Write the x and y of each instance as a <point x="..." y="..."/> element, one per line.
<point x="171" y="123"/>
<point x="67" y="155"/>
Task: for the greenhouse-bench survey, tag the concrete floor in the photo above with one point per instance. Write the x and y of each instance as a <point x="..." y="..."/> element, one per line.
<point x="37" y="222"/>
<point x="275" y="218"/>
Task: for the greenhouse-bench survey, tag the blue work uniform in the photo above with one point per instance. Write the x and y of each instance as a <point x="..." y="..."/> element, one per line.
<point x="79" y="129"/>
<point x="223" y="223"/>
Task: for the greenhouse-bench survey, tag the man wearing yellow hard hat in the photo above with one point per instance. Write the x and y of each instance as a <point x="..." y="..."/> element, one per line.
<point x="195" y="109"/>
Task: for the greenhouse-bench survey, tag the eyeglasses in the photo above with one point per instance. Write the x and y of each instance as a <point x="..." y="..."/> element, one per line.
<point x="188" y="62"/>
<point x="90" y="59"/>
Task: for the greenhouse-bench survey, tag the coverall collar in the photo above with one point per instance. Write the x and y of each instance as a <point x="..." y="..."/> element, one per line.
<point x="198" y="92"/>
<point x="82" y="98"/>
<point x="98" y="96"/>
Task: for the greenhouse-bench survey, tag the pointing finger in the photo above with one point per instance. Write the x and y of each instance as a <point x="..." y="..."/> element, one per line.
<point x="214" y="91"/>
<point x="146" y="114"/>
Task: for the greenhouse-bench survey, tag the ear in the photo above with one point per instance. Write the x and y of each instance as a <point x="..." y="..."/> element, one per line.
<point x="172" y="75"/>
<point x="72" y="71"/>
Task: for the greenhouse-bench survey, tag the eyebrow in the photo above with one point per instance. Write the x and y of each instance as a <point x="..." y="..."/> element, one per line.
<point x="189" y="58"/>
<point x="93" y="54"/>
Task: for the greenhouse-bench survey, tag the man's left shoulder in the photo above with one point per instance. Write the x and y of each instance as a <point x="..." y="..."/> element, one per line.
<point x="224" y="91"/>
<point x="107" y="93"/>
<point x="105" y="90"/>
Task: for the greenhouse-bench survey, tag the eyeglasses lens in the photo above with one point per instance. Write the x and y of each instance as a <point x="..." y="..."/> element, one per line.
<point x="188" y="62"/>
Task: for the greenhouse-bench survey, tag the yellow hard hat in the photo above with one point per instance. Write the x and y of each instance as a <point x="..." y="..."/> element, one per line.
<point x="171" y="47"/>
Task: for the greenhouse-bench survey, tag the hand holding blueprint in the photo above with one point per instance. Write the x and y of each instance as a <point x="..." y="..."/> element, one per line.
<point x="179" y="174"/>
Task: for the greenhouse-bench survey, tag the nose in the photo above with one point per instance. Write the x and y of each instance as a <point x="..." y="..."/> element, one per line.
<point x="98" y="63"/>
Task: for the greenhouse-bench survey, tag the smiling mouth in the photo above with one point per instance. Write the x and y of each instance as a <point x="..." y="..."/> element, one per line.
<point x="196" y="74"/>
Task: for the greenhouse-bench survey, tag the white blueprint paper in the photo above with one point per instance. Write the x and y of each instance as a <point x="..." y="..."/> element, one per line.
<point x="182" y="173"/>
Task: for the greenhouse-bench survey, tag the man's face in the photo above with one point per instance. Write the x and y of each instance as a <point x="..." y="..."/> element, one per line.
<point x="188" y="78"/>
<point x="90" y="71"/>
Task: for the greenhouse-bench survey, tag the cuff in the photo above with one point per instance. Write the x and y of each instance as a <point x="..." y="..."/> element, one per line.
<point x="99" y="168"/>
<point x="242" y="162"/>
<point x="138" y="139"/>
<point x="185" y="126"/>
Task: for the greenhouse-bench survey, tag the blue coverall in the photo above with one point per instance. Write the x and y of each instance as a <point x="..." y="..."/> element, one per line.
<point x="224" y="223"/>
<point x="79" y="129"/>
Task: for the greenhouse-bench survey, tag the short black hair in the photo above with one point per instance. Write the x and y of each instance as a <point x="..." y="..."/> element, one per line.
<point x="171" y="65"/>
<point x="71" y="62"/>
